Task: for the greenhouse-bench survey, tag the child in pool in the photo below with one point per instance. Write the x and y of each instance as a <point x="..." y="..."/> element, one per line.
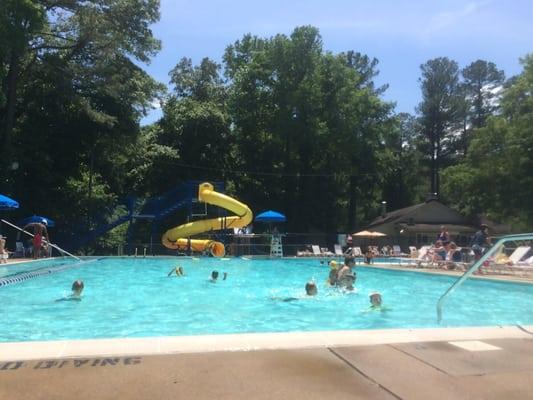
<point x="310" y="291"/>
<point x="345" y="275"/>
<point x="77" y="288"/>
<point x="376" y="302"/>
<point x="214" y="276"/>
<point x="332" y="278"/>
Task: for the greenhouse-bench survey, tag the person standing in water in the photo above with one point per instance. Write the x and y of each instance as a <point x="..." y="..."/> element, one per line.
<point x="77" y="289"/>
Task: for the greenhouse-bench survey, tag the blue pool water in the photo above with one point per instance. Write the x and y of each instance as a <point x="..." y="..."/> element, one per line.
<point x="135" y="298"/>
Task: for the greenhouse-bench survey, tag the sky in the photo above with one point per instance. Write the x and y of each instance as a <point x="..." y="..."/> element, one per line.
<point x="401" y="34"/>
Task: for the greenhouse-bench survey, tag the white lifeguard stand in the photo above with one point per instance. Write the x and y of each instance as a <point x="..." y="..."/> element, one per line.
<point x="276" y="247"/>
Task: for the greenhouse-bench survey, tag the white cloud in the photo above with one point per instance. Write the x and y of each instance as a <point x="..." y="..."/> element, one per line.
<point x="450" y="19"/>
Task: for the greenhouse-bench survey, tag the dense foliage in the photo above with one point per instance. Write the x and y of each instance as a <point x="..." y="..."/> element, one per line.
<point x="282" y="122"/>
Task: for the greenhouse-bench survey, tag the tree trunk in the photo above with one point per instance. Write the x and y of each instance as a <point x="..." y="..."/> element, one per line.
<point x="437" y="175"/>
<point x="11" y="99"/>
<point x="352" y="204"/>
<point x="433" y="166"/>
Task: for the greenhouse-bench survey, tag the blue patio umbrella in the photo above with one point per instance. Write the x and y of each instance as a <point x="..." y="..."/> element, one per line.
<point x="270" y="216"/>
<point x="6" y="203"/>
<point x="36" y="219"/>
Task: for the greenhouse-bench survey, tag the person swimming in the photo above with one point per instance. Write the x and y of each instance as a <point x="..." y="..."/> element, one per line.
<point x="345" y="275"/>
<point x="375" y="299"/>
<point x="178" y="271"/>
<point x="310" y="291"/>
<point x="332" y="278"/>
<point x="376" y="302"/>
<point x="77" y="288"/>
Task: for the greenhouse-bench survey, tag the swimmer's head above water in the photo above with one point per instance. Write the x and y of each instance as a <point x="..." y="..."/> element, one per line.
<point x="311" y="289"/>
<point x="77" y="288"/>
<point x="375" y="299"/>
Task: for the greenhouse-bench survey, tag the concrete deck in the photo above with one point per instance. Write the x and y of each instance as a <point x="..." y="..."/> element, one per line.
<point x="402" y="366"/>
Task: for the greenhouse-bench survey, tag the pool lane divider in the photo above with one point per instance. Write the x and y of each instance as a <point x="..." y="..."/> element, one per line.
<point x="14" y="279"/>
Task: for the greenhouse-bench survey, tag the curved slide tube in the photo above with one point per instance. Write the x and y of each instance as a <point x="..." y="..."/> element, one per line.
<point x="174" y="238"/>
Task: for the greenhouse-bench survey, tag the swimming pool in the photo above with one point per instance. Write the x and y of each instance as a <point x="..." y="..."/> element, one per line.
<point x="128" y="297"/>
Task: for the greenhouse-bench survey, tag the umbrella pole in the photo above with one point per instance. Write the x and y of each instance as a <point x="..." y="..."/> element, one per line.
<point x="51" y="244"/>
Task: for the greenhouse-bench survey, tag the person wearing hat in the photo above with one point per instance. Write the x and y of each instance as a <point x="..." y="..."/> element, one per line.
<point x="480" y="241"/>
<point x="376" y="303"/>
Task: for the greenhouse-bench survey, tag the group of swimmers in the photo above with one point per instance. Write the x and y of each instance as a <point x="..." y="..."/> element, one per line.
<point x="343" y="276"/>
<point x="179" y="272"/>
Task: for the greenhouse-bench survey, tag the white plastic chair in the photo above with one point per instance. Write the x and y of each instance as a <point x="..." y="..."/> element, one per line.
<point x="20" y="251"/>
<point x="316" y="250"/>
<point x="397" y="251"/>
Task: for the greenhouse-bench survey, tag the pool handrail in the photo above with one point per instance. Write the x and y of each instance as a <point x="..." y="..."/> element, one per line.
<point x="51" y="244"/>
<point x="477" y="264"/>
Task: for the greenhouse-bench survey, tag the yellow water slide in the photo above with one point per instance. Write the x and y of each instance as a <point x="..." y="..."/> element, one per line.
<point x="177" y="238"/>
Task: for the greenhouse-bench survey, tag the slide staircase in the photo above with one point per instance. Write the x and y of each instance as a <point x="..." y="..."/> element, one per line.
<point x="152" y="209"/>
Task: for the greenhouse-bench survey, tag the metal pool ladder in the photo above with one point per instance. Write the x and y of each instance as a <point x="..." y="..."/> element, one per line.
<point x="51" y="244"/>
<point x="477" y="264"/>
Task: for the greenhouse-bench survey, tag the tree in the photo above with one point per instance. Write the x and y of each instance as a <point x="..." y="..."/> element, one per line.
<point x="72" y="97"/>
<point x="309" y="126"/>
<point x="495" y="177"/>
<point x="482" y="82"/>
<point x="195" y="121"/>
<point x="440" y="111"/>
<point x="482" y="86"/>
<point x="64" y="34"/>
<point x="402" y="186"/>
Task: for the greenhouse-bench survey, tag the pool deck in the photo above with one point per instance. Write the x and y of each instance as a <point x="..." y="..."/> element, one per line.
<point x="455" y="363"/>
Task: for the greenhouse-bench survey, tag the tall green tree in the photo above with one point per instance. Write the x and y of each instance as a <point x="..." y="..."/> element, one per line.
<point x="495" y="177"/>
<point x="62" y="34"/>
<point x="482" y="85"/>
<point x="309" y="126"/>
<point x="196" y="123"/>
<point x="482" y="81"/>
<point x="440" y="112"/>
<point x="72" y="109"/>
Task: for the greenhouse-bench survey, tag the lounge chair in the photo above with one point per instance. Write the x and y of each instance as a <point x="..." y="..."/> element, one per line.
<point x="338" y="250"/>
<point x="356" y="252"/>
<point x="303" y="253"/>
<point x="524" y="268"/>
<point x="519" y="253"/>
<point x="424" y="256"/>
<point x="506" y="265"/>
<point x="316" y="251"/>
<point x="397" y="251"/>
<point x="325" y="252"/>
<point x="528" y="262"/>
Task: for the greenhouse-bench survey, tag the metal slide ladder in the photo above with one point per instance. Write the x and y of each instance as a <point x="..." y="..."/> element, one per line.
<point x="493" y="250"/>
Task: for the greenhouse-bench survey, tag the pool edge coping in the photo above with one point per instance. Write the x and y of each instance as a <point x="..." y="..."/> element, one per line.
<point x="18" y="351"/>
